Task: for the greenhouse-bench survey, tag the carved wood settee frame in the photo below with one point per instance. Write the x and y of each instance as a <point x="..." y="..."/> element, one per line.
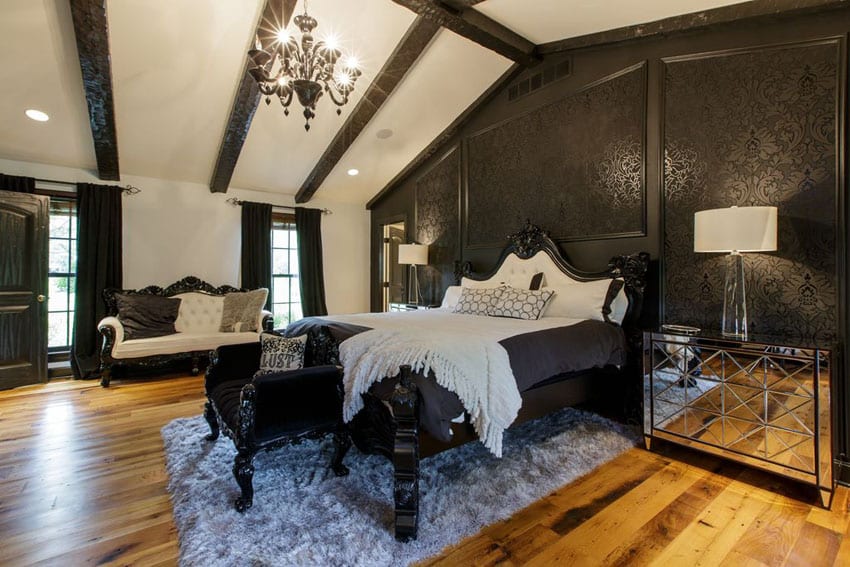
<point x="185" y="285"/>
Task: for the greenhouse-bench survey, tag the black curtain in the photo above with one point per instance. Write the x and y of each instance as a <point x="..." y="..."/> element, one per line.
<point x="99" y="265"/>
<point x="257" y="247"/>
<point x="308" y="226"/>
<point x="17" y="184"/>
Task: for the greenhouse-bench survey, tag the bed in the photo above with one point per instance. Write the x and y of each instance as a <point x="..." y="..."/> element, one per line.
<point x="411" y="376"/>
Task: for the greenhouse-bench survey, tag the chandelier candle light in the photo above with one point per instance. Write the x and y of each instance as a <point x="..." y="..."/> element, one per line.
<point x="735" y="230"/>
<point x="306" y="69"/>
<point x="413" y="255"/>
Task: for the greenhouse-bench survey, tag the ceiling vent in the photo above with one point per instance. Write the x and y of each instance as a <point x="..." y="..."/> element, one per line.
<point x="540" y="79"/>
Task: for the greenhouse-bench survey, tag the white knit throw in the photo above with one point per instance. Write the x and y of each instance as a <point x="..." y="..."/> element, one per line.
<point x="476" y="369"/>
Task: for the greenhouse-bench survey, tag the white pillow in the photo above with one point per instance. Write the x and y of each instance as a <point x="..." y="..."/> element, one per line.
<point x="584" y="300"/>
<point x="451" y="297"/>
<point x="475" y="284"/>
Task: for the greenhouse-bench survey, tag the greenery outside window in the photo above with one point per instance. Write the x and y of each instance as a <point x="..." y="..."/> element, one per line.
<point x="286" y="287"/>
<point x="62" y="272"/>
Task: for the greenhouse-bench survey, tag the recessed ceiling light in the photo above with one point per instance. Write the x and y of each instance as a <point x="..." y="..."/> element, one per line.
<point x="37" y="115"/>
<point x="352" y="172"/>
<point x="384" y="134"/>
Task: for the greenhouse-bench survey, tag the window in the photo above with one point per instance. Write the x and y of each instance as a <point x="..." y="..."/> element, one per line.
<point x="286" y="288"/>
<point x="61" y="273"/>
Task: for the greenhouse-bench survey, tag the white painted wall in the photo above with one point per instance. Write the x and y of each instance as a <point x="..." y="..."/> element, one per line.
<point x="178" y="228"/>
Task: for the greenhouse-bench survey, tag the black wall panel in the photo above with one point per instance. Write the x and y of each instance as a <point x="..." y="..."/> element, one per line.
<point x="755" y="128"/>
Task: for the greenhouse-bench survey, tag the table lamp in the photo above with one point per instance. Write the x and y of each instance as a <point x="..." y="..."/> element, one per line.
<point x="735" y="230"/>
<point x="413" y="255"/>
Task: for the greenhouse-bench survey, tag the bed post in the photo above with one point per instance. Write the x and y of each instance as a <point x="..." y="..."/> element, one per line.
<point x="405" y="405"/>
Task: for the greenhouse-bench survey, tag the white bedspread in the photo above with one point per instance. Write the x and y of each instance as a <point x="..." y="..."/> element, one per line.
<point x="462" y="350"/>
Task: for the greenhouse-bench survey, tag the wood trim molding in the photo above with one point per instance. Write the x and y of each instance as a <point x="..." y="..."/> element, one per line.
<point x="476" y="27"/>
<point x="448" y="134"/>
<point x="734" y="13"/>
<point x="247" y="99"/>
<point x="91" y="30"/>
<point x="411" y="46"/>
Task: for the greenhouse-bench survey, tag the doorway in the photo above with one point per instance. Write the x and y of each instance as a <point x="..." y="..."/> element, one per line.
<point x="392" y="273"/>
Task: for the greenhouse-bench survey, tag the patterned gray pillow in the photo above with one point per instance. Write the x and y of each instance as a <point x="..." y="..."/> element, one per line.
<point x="521" y="303"/>
<point x="281" y="353"/>
<point x="474" y="301"/>
<point x="241" y="310"/>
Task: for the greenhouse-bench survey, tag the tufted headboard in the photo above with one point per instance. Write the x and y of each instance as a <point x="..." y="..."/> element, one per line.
<point x="531" y="251"/>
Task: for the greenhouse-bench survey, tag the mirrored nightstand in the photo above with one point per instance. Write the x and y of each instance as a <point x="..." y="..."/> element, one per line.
<point x="409" y="307"/>
<point x="763" y="402"/>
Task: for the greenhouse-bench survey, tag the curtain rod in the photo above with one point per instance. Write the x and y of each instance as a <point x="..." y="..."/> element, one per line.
<point x="238" y="202"/>
<point x="127" y="189"/>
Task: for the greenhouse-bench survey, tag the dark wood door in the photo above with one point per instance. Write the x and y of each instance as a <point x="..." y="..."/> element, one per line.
<point x="23" y="281"/>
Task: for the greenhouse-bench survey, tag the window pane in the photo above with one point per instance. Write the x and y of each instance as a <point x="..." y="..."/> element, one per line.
<point x="70" y="327"/>
<point x="293" y="261"/>
<point x="280" y="262"/>
<point x="296" y="312"/>
<point x="74" y="223"/>
<point x="293" y="238"/>
<point x="57" y="294"/>
<point x="295" y="287"/>
<point x="60" y="226"/>
<point x="280" y="290"/>
<point x="59" y="256"/>
<point x="73" y="269"/>
<point x="57" y="329"/>
<point x="279" y="239"/>
<point x="72" y="295"/>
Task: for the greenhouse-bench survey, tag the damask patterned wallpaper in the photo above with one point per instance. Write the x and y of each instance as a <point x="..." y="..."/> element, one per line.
<point x="755" y="128"/>
<point x="437" y="219"/>
<point x="574" y="166"/>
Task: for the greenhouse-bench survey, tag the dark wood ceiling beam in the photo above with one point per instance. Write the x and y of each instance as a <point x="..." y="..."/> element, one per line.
<point x="91" y="30"/>
<point x="447" y="135"/>
<point x="734" y="13"/>
<point x="276" y="15"/>
<point x="477" y="27"/>
<point x="411" y="46"/>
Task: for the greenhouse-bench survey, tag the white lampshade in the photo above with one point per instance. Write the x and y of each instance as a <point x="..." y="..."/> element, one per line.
<point x="738" y="229"/>
<point x="413" y="254"/>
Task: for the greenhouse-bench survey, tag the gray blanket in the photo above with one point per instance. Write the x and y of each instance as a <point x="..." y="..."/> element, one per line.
<point x="535" y="357"/>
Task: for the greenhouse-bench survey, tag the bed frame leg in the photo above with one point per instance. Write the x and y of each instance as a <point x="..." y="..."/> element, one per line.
<point x="405" y="404"/>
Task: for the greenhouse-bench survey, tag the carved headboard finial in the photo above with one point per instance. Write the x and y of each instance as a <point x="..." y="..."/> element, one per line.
<point x="632" y="268"/>
<point x="527" y="241"/>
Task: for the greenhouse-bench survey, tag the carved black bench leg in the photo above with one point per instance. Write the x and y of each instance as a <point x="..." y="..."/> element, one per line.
<point x="405" y="403"/>
<point x="212" y="421"/>
<point x="243" y="470"/>
<point x="196" y="362"/>
<point x="342" y="443"/>
<point x="105" y="375"/>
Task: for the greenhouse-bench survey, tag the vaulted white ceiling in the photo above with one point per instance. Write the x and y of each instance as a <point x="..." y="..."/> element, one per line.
<point x="176" y="65"/>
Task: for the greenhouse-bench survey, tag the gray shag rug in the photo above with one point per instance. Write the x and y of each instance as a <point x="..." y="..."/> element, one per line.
<point x="304" y="515"/>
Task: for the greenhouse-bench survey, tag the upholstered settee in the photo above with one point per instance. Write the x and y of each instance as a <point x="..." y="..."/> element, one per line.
<point x="197" y="328"/>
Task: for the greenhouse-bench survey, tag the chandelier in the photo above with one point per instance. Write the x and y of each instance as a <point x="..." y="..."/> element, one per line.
<point x="306" y="69"/>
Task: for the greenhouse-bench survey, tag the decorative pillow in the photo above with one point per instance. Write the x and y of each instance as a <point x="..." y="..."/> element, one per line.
<point x="145" y="316"/>
<point x="477" y="301"/>
<point x="281" y="353"/>
<point x="242" y="310"/>
<point x="521" y="303"/>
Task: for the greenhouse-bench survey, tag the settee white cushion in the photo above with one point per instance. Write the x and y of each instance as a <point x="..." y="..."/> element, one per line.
<point x="179" y="342"/>
<point x="199" y="313"/>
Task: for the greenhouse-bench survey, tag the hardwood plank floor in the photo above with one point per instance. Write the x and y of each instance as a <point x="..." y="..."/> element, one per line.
<point x="82" y="481"/>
